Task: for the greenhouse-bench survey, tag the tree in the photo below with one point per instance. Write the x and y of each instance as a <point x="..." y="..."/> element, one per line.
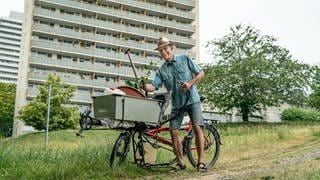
<point x="252" y="72"/>
<point x="7" y="101"/>
<point x="61" y="116"/>
<point x="314" y="98"/>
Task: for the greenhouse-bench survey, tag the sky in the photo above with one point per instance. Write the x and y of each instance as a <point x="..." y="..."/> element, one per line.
<point x="295" y="23"/>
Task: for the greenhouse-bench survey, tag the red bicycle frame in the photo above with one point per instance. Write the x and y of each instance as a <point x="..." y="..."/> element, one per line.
<point x="153" y="133"/>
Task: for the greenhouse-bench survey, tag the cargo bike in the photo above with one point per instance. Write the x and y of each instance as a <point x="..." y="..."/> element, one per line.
<point x="144" y="125"/>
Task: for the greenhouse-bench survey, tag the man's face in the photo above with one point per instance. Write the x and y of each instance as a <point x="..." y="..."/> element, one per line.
<point x="166" y="53"/>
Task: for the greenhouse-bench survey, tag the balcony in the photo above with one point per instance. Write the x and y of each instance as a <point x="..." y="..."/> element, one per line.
<point x="191" y="3"/>
<point x="88" y="52"/>
<point x="82" y="66"/>
<point x="15" y="60"/>
<point x="13" y="37"/>
<point x="91" y="37"/>
<point x="157" y="8"/>
<point x="77" y="97"/>
<point x="119" y="14"/>
<point x="10" y="48"/>
<point x="13" y="31"/>
<point x="11" y="54"/>
<point x="109" y="26"/>
<point x="71" y="80"/>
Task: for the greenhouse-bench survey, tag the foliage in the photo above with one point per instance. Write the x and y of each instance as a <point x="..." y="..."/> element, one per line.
<point x="314" y="98"/>
<point x="252" y="72"/>
<point x="148" y="69"/>
<point x="298" y="114"/>
<point x="7" y="101"/>
<point x="61" y="117"/>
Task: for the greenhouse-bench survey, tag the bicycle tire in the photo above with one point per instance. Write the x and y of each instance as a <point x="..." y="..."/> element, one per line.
<point x="211" y="149"/>
<point x="120" y="149"/>
<point x="86" y="122"/>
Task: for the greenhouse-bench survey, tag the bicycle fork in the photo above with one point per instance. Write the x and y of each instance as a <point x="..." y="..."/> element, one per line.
<point x="138" y="150"/>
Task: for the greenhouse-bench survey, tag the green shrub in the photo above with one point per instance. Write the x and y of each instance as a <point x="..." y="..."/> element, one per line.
<point x="298" y="114"/>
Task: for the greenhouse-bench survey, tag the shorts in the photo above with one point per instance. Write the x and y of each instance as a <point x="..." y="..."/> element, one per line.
<point x="194" y="112"/>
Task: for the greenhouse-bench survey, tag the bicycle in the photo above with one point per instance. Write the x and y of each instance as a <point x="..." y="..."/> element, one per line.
<point x="142" y="135"/>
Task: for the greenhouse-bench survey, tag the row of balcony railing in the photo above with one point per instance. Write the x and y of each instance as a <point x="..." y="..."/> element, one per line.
<point x="91" y="37"/>
<point x="10" y="75"/>
<point x="86" y="66"/>
<point x="158" y="8"/>
<point x="77" y="97"/>
<point x="71" y="80"/>
<point x="12" y="69"/>
<point x="8" y="80"/>
<point x="12" y="43"/>
<point x="13" y="31"/>
<point x="11" y="36"/>
<point x="9" y="45"/>
<point x="10" y="48"/>
<point x="11" y="25"/>
<point x="121" y="14"/>
<point x="88" y="52"/>
<point x="10" y="53"/>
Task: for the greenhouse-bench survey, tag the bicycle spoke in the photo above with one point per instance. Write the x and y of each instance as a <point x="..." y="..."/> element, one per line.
<point x="211" y="147"/>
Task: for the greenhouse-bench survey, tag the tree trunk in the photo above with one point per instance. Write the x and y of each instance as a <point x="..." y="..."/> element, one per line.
<point x="245" y="113"/>
<point x="245" y="116"/>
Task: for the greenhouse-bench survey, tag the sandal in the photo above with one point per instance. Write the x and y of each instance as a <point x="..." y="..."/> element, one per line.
<point x="201" y="167"/>
<point x="178" y="168"/>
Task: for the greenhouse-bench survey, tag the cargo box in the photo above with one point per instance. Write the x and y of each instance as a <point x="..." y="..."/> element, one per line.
<point x="127" y="108"/>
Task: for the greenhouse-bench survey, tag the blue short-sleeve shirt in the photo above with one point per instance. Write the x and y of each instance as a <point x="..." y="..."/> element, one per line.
<point x="171" y="74"/>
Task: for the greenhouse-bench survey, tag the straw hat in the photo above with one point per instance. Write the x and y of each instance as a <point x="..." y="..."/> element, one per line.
<point x="163" y="42"/>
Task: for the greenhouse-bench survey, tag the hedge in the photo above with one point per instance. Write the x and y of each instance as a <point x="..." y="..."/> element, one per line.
<point x="298" y="114"/>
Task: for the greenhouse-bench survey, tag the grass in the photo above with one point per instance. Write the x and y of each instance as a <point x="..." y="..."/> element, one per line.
<point x="69" y="157"/>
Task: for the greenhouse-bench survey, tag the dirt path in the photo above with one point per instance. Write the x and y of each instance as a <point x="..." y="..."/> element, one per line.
<point x="272" y="162"/>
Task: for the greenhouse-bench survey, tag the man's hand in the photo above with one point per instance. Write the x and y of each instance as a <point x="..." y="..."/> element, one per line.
<point x="186" y="86"/>
<point x="149" y="87"/>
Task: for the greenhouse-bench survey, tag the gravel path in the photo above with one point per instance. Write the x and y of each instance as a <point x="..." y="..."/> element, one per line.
<point x="274" y="163"/>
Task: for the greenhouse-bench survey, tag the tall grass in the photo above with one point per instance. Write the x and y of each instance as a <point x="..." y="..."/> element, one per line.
<point x="71" y="157"/>
<point x="252" y="144"/>
<point x="67" y="157"/>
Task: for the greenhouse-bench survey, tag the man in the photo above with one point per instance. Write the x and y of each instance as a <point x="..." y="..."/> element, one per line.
<point x="179" y="74"/>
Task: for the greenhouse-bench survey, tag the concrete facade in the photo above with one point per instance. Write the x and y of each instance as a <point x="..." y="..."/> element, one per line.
<point x="10" y="39"/>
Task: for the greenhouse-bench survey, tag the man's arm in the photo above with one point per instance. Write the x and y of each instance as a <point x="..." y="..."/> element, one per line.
<point x="187" y="85"/>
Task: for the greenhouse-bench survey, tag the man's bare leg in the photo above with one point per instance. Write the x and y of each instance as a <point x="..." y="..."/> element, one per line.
<point x="199" y="143"/>
<point x="177" y="146"/>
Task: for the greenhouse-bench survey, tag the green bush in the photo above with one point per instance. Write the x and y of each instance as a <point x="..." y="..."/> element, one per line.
<point x="298" y="114"/>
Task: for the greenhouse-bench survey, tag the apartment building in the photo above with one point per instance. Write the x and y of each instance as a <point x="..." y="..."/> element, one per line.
<point x="84" y="42"/>
<point x="10" y="39"/>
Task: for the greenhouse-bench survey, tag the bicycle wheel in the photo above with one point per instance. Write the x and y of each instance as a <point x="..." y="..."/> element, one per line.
<point x="120" y="149"/>
<point x="211" y="147"/>
<point x="86" y="122"/>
